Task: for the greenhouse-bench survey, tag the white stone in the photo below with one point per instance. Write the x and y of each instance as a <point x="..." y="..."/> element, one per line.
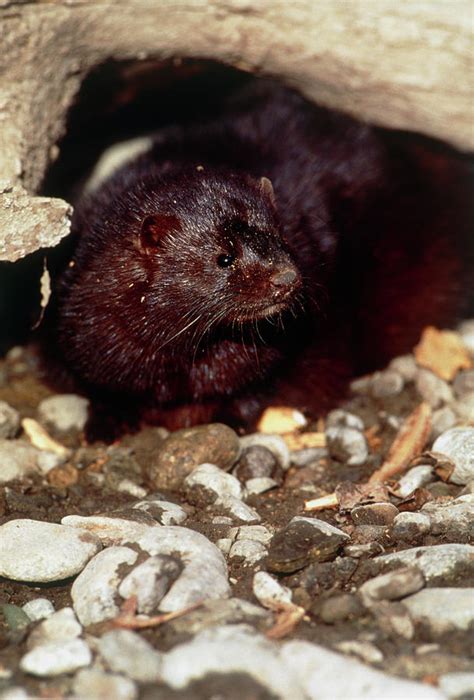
<point x="274" y="443"/>
<point x="442" y="609"/>
<point x="61" y="626"/>
<point x="405" y="365"/>
<point x="458" y="445"/>
<point x="94" y="684"/>
<point x="130" y="487"/>
<point x="230" y="649"/>
<point x="164" y="512"/>
<point x="457" y="685"/>
<point x="94" y="592"/>
<point x="256" y="533"/>
<point x="260" y="484"/>
<point x="149" y="582"/>
<point x="392" y="586"/>
<point x="251" y="551"/>
<point x="9" y="421"/>
<point x="238" y="509"/>
<point x="436" y="561"/>
<point x="414" y="479"/>
<point x="64" y="411"/>
<point x="111" y="530"/>
<point x="432" y="388"/>
<point x="126" y="652"/>
<point x="17" y="459"/>
<point x="215" y="480"/>
<point x="339" y="418"/>
<point x="38" y="609"/>
<point x="326" y="675"/>
<point x="224" y="544"/>
<point x="269" y="592"/>
<point x="366" y="651"/>
<point x="31" y="550"/>
<point x="56" y="658"/>
<point x="204" y="576"/>
<point x="347" y="445"/>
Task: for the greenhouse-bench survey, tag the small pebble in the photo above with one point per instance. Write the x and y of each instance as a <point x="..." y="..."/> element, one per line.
<point x="256" y="533"/>
<point x="38" y="609"/>
<point x="392" y="586"/>
<point x="405" y="366"/>
<point x="442" y="419"/>
<point x="347" y="445"/>
<point x="344" y="419"/>
<point x="238" y="509"/>
<point x="260" y="485"/>
<point x="339" y="608"/>
<point x="249" y="550"/>
<point x="255" y="462"/>
<point x="57" y="658"/>
<point x="458" y="445"/>
<point x="432" y="388"/>
<point x="61" y="626"/>
<point x="9" y="421"/>
<point x="17" y="460"/>
<point x="364" y="650"/>
<point x="164" y="512"/>
<point x="442" y="609"/>
<point x="214" y="481"/>
<point x="64" y="412"/>
<point x="440" y="563"/>
<point x="150" y="582"/>
<point x="393" y="619"/>
<point x="127" y="652"/>
<point x="374" y="514"/>
<point x="410" y="526"/>
<point x="308" y="456"/>
<point x="386" y="383"/>
<point x="363" y="551"/>
<point x="14" y="616"/>
<point x="27" y="554"/>
<point x="268" y="591"/>
<point x="414" y="479"/>
<point x="274" y="443"/>
<point x="455" y="517"/>
<point x="94" y="684"/>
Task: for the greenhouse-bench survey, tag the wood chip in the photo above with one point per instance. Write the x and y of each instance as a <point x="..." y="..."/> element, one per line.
<point x="128" y="619"/>
<point x="410" y="440"/>
<point x="329" y="501"/>
<point x="442" y="465"/>
<point x="415" y="500"/>
<point x="300" y="441"/>
<point x="40" y="439"/>
<point x="287" y="619"/>
<point x="443" y="352"/>
<point x="281" y="419"/>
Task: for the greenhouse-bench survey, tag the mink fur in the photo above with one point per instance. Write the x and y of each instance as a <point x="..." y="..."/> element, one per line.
<point x="196" y="291"/>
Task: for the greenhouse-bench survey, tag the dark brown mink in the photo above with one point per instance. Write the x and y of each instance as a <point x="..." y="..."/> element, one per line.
<point x="268" y="256"/>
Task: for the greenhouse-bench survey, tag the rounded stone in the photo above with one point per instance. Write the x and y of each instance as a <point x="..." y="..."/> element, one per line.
<point x="432" y="388"/>
<point x="9" y="421"/>
<point x="347" y="445"/>
<point x="55" y="659"/>
<point x="31" y="550"/>
<point x="387" y="383"/>
<point x="410" y="526"/>
<point x="95" y="684"/>
<point x="374" y="514"/>
<point x="38" y="609"/>
<point x="255" y="462"/>
<point x="64" y="412"/>
<point x="274" y="443"/>
<point x="458" y="445"/>
<point x="17" y="459"/>
<point x="186" y="449"/>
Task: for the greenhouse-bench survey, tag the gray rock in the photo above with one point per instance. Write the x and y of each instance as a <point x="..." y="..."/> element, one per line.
<point x="56" y="658"/>
<point x="9" y="421"/>
<point x="303" y="541"/>
<point x="38" y="609"/>
<point x="27" y="553"/>
<point x="94" y="592"/>
<point x="164" y="512"/>
<point x="17" y="459"/>
<point x="405" y="365"/>
<point x="347" y="445"/>
<point x="126" y="652"/>
<point x="414" y="479"/>
<point x="185" y="449"/>
<point x="230" y="649"/>
<point x="204" y="575"/>
<point x="64" y="412"/>
<point x="94" y="684"/>
<point x="238" y="509"/>
<point x="361" y="385"/>
<point x="61" y="626"/>
<point x="443" y="419"/>
<point x="386" y="383"/>
<point x="432" y="388"/>
<point x="260" y="484"/>
<point x="274" y="443"/>
<point x="456" y="516"/>
<point x="392" y="586"/>
<point x="442" y="609"/>
<point x="249" y="550"/>
<point x="308" y="456"/>
<point x="214" y="481"/>
<point x="150" y="582"/>
<point x="457" y="686"/>
<point x="439" y="563"/>
<point x="374" y="514"/>
<point x="464" y="383"/>
<point x="256" y="533"/>
<point x="326" y="675"/>
<point x="269" y="592"/>
<point x="344" y="419"/>
<point x="410" y="526"/>
<point x="255" y="462"/>
<point x="458" y="445"/>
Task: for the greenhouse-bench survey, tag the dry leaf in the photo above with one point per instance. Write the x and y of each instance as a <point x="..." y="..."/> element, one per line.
<point x="415" y="500"/>
<point x="442" y="465"/>
<point x="350" y="495"/>
<point x="443" y="352"/>
<point x="281" y="419"/>
<point x="300" y="441"/>
<point x="287" y="619"/>
<point x="410" y="439"/>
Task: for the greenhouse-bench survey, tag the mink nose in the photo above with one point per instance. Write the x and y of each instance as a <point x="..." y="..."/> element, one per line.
<point x="284" y="278"/>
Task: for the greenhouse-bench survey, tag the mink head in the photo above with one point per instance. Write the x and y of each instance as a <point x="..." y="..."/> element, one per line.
<point x="163" y="260"/>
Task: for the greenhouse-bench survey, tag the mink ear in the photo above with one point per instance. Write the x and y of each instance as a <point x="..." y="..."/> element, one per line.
<point x="154" y="227"/>
<point x="266" y="188"/>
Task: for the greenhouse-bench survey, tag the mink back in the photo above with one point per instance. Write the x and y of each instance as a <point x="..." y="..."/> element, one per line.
<point x="197" y="290"/>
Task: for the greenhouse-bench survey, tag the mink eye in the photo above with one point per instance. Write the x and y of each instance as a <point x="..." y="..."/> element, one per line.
<point x="225" y="260"/>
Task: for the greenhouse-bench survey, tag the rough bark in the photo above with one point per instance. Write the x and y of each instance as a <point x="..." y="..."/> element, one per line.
<point x="400" y="64"/>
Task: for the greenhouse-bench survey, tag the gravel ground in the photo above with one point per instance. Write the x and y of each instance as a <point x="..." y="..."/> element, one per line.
<point x="191" y="565"/>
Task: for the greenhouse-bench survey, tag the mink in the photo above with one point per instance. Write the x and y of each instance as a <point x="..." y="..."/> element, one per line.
<point x="269" y="255"/>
